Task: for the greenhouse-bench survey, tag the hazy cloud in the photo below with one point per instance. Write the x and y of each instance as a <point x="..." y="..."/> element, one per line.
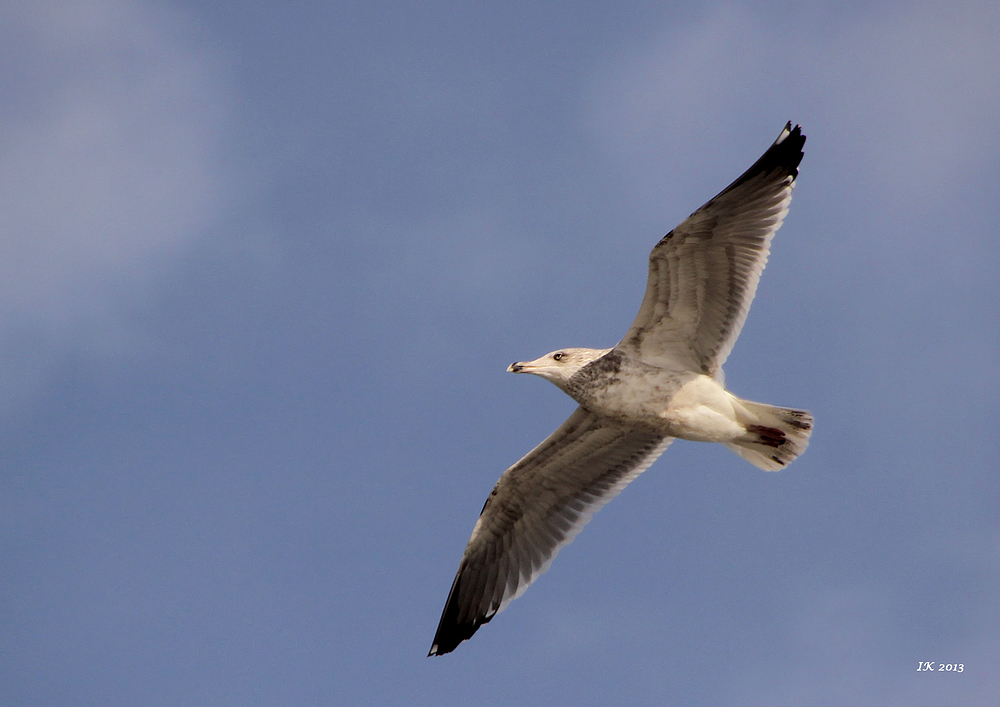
<point x="110" y="164"/>
<point x="927" y="74"/>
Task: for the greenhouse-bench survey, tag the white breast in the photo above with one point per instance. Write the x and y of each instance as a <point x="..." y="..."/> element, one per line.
<point x="679" y="404"/>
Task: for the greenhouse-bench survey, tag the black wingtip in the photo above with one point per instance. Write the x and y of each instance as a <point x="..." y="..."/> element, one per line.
<point x="784" y="155"/>
<point x="787" y="148"/>
<point x="786" y="152"/>
<point x="451" y="631"/>
<point x="450" y="634"/>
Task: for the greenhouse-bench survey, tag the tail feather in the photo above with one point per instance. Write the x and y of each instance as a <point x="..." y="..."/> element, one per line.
<point x="775" y="436"/>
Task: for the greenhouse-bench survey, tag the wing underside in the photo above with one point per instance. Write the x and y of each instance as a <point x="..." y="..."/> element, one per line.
<point x="703" y="275"/>
<point x="537" y="507"/>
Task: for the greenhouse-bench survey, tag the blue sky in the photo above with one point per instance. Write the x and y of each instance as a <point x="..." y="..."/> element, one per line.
<point x="262" y="267"/>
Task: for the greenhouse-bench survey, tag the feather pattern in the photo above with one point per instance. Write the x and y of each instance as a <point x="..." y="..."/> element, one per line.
<point x="537" y="507"/>
<point x="703" y="274"/>
<point x="702" y="278"/>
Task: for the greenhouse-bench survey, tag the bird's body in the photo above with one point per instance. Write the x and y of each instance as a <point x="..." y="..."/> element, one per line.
<point x="662" y="381"/>
<point x="673" y="403"/>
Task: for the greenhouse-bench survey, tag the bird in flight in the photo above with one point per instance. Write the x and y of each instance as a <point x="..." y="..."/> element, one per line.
<point x="662" y="381"/>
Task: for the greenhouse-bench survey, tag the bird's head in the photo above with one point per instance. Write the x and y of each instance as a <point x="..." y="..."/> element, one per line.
<point x="558" y="366"/>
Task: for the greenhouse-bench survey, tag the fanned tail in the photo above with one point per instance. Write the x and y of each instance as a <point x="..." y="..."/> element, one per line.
<point x="775" y="436"/>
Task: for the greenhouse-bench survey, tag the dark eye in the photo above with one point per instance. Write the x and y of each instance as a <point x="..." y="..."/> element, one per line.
<point x="559" y="356"/>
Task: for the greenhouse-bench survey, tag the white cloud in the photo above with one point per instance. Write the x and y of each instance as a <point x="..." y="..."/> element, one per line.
<point x="110" y="164"/>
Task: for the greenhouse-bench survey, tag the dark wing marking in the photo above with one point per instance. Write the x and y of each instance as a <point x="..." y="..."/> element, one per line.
<point x="703" y="275"/>
<point x="537" y="507"/>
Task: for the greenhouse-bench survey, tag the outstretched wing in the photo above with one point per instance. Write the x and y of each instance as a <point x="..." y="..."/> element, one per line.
<point x="537" y="507"/>
<point x="703" y="274"/>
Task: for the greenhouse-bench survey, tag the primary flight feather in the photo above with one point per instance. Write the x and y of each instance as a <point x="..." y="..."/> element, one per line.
<point x="662" y="381"/>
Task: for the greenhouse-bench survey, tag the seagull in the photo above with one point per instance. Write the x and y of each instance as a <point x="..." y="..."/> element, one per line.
<point x="664" y="380"/>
